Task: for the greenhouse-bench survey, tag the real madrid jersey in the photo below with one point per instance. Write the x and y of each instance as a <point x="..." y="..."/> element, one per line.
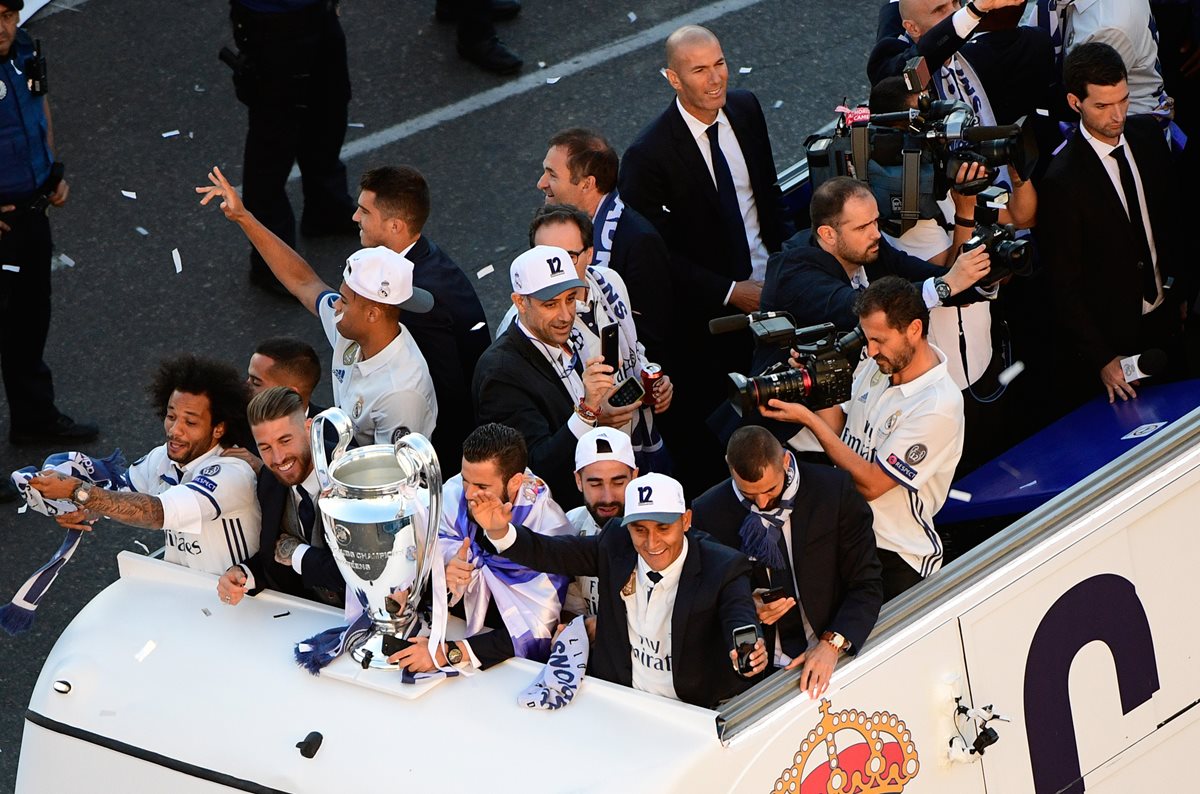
<point x="583" y="594"/>
<point x="387" y="395"/>
<point x="210" y="508"/>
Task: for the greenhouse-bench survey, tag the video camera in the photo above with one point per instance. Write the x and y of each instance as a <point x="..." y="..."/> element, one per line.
<point x="826" y="362"/>
<point x="911" y="158"/>
<point x="1008" y="255"/>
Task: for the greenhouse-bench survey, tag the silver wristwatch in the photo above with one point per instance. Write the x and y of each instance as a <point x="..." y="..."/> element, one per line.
<point x="81" y="494"/>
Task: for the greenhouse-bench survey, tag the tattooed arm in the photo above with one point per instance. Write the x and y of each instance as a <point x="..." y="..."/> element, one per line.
<point x="134" y="509"/>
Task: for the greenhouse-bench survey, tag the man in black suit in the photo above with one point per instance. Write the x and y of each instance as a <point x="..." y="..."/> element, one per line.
<point x="531" y="380"/>
<point x="580" y="169"/>
<point x="292" y="556"/>
<point x="1111" y="235"/>
<point x="681" y="597"/>
<point x="810" y="536"/>
<point x="393" y="206"/>
<point x="703" y="174"/>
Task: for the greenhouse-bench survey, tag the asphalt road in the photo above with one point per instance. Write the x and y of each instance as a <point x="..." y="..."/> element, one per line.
<point x="123" y="73"/>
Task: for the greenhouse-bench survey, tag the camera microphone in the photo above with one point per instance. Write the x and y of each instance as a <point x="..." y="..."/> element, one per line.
<point x="1147" y="365"/>
<point x="980" y="134"/>
<point x="736" y="322"/>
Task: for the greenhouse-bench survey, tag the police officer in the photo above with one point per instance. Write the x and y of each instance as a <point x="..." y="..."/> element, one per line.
<point x="30" y="182"/>
<point x="291" y="73"/>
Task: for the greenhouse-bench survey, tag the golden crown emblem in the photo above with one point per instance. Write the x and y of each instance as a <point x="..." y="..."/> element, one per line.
<point x="883" y="762"/>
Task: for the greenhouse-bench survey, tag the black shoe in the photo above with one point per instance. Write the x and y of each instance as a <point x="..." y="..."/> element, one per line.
<point x="265" y="280"/>
<point x="491" y="55"/>
<point x="329" y="227"/>
<point x="8" y="491"/>
<point x="63" y="430"/>
<point x="501" y="10"/>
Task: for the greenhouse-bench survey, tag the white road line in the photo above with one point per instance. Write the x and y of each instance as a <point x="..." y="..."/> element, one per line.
<point x="537" y="78"/>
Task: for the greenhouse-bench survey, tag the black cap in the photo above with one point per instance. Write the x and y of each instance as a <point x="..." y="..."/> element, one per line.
<point x="15" y="5"/>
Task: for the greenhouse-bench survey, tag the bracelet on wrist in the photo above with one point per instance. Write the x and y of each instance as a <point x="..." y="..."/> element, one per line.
<point x="587" y="413"/>
<point x="961" y="221"/>
<point x="975" y="10"/>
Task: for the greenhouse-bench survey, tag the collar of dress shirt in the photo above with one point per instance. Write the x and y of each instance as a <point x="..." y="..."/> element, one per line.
<point x="670" y="574"/>
<point x="698" y="128"/>
<point x="1102" y="149"/>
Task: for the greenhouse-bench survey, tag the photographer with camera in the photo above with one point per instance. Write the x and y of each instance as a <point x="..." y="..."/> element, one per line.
<point x="901" y="426"/>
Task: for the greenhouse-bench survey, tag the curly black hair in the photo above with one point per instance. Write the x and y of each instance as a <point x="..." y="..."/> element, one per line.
<point x="223" y="385"/>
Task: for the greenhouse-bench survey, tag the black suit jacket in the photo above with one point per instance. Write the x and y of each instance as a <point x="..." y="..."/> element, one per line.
<point x="450" y="347"/>
<point x="321" y="580"/>
<point x="713" y="599"/>
<point x="516" y="386"/>
<point x="640" y="256"/>
<point x="663" y="176"/>
<point x="1087" y="244"/>
<point x="833" y="553"/>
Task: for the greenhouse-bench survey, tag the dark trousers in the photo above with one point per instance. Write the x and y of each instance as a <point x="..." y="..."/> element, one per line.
<point x="25" y="318"/>
<point x="297" y="89"/>
<point x="898" y="575"/>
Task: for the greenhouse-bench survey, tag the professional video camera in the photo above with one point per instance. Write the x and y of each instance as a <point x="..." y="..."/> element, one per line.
<point x="1008" y="255"/>
<point x="826" y="370"/>
<point x="911" y="158"/>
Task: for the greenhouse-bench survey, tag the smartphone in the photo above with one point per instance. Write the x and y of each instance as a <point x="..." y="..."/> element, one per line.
<point x="744" y="639"/>
<point x="610" y="346"/>
<point x="628" y="393"/>
<point x="393" y="644"/>
<point x="772" y="594"/>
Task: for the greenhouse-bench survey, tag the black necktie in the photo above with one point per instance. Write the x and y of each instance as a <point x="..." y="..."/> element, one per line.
<point x="306" y="512"/>
<point x="1145" y="263"/>
<point x="655" y="577"/>
<point x="731" y="212"/>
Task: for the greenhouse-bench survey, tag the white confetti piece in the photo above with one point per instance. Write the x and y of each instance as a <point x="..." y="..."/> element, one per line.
<point x="190" y="135"/>
<point x="66" y="260"/>
<point x="478" y="325"/>
<point x="356" y="124"/>
<point x="199" y="89"/>
<point x="142" y="230"/>
<point x="778" y="104"/>
<point x="177" y="260"/>
<point x="552" y="80"/>
<point x="541" y="64"/>
<point x="632" y="16"/>
<point x="129" y="194"/>
<point x="746" y="70"/>
<point x="1007" y="375"/>
<point x="961" y="496"/>
<point x="1029" y="484"/>
<point x="486" y="271"/>
<point x="141" y="545"/>
<point x="146" y="650"/>
<point x="170" y="134"/>
<point x="663" y="71"/>
<point x="11" y="268"/>
<point x="207" y="614"/>
<point x="1042" y="112"/>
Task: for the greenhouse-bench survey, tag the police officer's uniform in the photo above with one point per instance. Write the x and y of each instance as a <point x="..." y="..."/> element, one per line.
<point x="294" y="79"/>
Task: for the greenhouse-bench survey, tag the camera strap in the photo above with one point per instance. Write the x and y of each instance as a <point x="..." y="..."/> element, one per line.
<point x="860" y="151"/>
<point x="910" y="189"/>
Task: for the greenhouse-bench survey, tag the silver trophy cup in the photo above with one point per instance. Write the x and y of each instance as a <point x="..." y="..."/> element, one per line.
<point x="382" y="537"/>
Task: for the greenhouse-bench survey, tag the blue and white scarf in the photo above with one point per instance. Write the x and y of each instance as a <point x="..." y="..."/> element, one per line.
<point x="529" y="601"/>
<point x="110" y="473"/>
<point x="558" y="682"/>
<point x="762" y="530"/>
<point x="608" y="215"/>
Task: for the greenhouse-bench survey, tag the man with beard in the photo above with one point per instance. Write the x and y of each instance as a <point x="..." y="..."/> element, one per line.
<point x="604" y="465"/>
<point x="292" y="557"/>
<point x="818" y="282"/>
<point x="203" y="501"/>
<point x="902" y="426"/>
<point x="808" y="533"/>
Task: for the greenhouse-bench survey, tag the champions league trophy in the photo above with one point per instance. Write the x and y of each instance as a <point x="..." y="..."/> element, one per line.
<point x="383" y="538"/>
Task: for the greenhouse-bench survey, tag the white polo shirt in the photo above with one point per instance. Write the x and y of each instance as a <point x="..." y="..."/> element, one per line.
<point x="211" y="515"/>
<point x="387" y="395"/>
<point x="583" y="593"/>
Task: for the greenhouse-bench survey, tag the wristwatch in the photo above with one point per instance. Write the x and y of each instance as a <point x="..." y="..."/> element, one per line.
<point x="942" y="288"/>
<point x="81" y="494"/>
<point x="453" y="654"/>
<point x="838" y="642"/>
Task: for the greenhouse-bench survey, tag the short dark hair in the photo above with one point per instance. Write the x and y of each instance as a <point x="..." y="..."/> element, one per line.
<point x="224" y="387"/>
<point x="1096" y="63"/>
<point x="830" y="198"/>
<point x="589" y="154"/>
<point x="898" y="299"/>
<point x="274" y="403"/>
<point x="550" y="214"/>
<point x="751" y="450"/>
<point x="890" y="95"/>
<point x="401" y="192"/>
<point x="498" y="443"/>
<point x="293" y="357"/>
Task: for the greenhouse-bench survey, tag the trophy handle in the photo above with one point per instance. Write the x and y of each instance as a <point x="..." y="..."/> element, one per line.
<point x="414" y="451"/>
<point x="345" y="430"/>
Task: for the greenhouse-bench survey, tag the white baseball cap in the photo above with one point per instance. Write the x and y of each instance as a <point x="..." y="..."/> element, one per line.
<point x="616" y="445"/>
<point x="654" y="497"/>
<point x="380" y="274"/>
<point x="544" y="272"/>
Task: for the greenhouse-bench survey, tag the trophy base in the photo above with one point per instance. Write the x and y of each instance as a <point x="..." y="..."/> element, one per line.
<point x="351" y="671"/>
<point x="373" y="654"/>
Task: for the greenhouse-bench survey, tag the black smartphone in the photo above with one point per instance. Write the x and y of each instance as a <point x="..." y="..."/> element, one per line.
<point x="393" y="644"/>
<point x="773" y="594"/>
<point x="610" y="346"/>
<point x="628" y="393"/>
<point x="744" y="639"/>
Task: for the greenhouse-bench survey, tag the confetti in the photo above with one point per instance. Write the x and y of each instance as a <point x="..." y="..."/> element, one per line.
<point x="129" y="194"/>
<point x="961" y="496"/>
<point x="199" y="89"/>
<point x="1042" y="112"/>
<point x="1029" y="484"/>
<point x="478" y="325"/>
<point x="663" y="71"/>
<point x="778" y="104"/>
<point x="281" y="615"/>
<point x="65" y="260"/>
<point x="541" y="64"/>
<point x="142" y="231"/>
<point x="141" y="545"/>
<point x="207" y="614"/>
<point x="552" y="80"/>
<point x="190" y="135"/>
<point x="746" y="70"/>
<point x="487" y="271"/>
<point x="11" y="268"/>
<point x="356" y="124"/>
<point x="1007" y="375"/>
<point x="170" y="134"/>
<point x="146" y="650"/>
<point x="632" y="16"/>
<point x="178" y="262"/>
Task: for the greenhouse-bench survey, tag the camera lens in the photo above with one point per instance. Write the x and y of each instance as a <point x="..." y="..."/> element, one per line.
<point x="747" y="394"/>
<point x="1016" y="255"/>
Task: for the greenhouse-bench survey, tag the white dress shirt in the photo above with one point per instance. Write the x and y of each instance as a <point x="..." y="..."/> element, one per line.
<point x="561" y="363"/>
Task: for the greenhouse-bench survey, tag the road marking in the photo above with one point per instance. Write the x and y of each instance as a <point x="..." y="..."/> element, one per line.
<point x="537" y="79"/>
